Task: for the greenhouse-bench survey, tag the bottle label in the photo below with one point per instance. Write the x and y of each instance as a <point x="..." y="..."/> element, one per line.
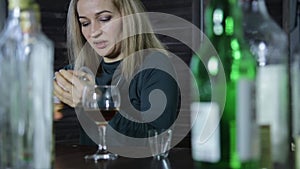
<point x="205" y="132"/>
<point x="272" y="107"/>
<point x="245" y="116"/>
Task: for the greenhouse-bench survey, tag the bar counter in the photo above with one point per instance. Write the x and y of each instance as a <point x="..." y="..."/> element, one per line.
<point x="71" y="157"/>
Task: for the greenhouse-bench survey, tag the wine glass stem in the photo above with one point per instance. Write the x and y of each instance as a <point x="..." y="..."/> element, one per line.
<point x="102" y="136"/>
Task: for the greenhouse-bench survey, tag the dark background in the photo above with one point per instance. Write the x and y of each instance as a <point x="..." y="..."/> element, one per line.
<point x="284" y="12"/>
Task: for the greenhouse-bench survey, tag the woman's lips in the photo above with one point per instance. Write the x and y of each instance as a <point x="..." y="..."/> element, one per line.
<point x="101" y="44"/>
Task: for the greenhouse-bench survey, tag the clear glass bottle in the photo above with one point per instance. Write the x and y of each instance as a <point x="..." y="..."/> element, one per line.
<point x="234" y="144"/>
<point x="26" y="58"/>
<point x="268" y="42"/>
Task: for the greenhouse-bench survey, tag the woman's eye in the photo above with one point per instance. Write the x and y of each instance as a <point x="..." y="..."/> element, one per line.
<point x="105" y="19"/>
<point x="84" y="24"/>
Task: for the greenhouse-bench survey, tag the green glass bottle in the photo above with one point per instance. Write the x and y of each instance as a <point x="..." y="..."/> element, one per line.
<point x="26" y="59"/>
<point x="234" y="144"/>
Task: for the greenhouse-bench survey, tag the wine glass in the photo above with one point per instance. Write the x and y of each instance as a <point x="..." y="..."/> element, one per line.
<point x="100" y="104"/>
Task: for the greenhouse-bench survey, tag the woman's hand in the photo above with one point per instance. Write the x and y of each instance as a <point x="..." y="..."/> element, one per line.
<point x="67" y="87"/>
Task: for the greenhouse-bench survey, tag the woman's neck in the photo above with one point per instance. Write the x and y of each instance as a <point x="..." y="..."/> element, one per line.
<point x="108" y="59"/>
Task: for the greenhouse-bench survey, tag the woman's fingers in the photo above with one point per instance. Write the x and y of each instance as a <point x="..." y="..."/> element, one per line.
<point x="71" y="102"/>
<point x="62" y="94"/>
<point x="68" y="87"/>
<point x="77" y="84"/>
<point x="84" y="76"/>
<point x="63" y="82"/>
<point x="71" y="78"/>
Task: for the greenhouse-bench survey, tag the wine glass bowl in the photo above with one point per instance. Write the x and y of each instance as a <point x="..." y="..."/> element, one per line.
<point x="100" y="104"/>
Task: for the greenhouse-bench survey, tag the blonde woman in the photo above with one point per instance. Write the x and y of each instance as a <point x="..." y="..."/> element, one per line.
<point x="115" y="40"/>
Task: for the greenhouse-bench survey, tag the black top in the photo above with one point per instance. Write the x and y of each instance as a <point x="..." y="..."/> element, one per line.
<point x="155" y="76"/>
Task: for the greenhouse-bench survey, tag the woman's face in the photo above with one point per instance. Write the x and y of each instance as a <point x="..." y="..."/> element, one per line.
<point x="101" y="26"/>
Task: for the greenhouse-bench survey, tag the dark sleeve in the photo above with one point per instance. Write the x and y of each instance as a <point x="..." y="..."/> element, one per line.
<point x="146" y="82"/>
<point x="165" y="83"/>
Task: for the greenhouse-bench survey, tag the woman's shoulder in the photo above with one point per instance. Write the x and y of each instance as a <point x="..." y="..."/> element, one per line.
<point x="158" y="60"/>
<point x="156" y="66"/>
<point x="157" y="55"/>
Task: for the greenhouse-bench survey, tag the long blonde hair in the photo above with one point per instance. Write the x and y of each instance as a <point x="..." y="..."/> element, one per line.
<point x="82" y="54"/>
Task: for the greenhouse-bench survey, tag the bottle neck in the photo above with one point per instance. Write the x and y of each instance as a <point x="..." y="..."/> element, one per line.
<point x="27" y="19"/>
<point x="29" y="23"/>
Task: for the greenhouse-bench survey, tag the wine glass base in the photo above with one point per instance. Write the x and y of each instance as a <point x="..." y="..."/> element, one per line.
<point x="101" y="156"/>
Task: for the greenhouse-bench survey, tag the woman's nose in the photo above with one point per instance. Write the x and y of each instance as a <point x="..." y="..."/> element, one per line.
<point x="96" y="29"/>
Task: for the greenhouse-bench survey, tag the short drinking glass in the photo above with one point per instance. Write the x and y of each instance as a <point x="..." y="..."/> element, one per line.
<point x="159" y="142"/>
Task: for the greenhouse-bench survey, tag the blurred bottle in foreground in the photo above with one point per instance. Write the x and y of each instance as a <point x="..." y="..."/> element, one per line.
<point x="268" y="42"/>
<point x="26" y="59"/>
<point x="233" y="143"/>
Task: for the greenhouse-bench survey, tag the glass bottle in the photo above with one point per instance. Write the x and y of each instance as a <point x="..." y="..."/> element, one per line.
<point x="269" y="44"/>
<point x="234" y="143"/>
<point x="26" y="58"/>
